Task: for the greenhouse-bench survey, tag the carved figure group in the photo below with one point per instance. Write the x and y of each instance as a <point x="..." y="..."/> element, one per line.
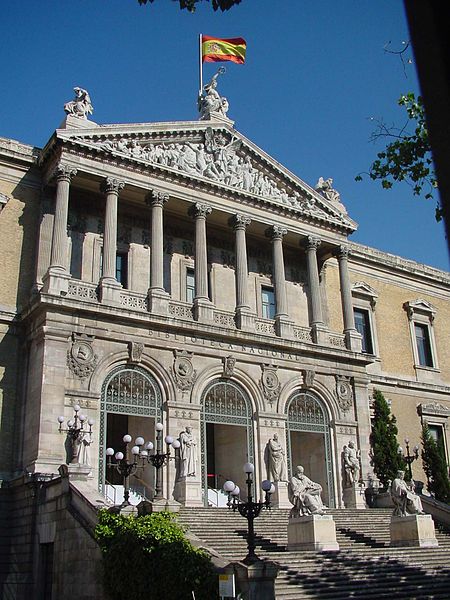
<point x="81" y="105"/>
<point x="188" y="453"/>
<point x="325" y="187"/>
<point x="305" y="495"/>
<point x="276" y="460"/>
<point x="210" y="102"/>
<point x="350" y="464"/>
<point x="406" y="501"/>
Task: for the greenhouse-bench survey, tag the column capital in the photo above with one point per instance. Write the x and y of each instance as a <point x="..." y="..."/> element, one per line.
<point x="341" y="252"/>
<point x="239" y="221"/>
<point x="276" y="232"/>
<point x="64" y="172"/>
<point x="199" y="210"/>
<point x="313" y="242"/>
<point x="111" y="184"/>
<point x="156" y="198"/>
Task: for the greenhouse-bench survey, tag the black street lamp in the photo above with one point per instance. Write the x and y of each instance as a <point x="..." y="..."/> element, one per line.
<point x="409" y="458"/>
<point x="75" y="431"/>
<point x="141" y="457"/>
<point x="250" y="509"/>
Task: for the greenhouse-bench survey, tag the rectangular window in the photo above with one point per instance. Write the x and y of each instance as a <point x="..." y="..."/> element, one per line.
<point x="268" y="303"/>
<point x="122" y="268"/>
<point x="423" y="345"/>
<point x="362" y="324"/>
<point x="190" y="285"/>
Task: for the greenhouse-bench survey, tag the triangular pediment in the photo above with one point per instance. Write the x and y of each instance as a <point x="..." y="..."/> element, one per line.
<point x="214" y="154"/>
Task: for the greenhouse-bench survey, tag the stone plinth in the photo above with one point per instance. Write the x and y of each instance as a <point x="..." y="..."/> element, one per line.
<point x="79" y="472"/>
<point x="312" y="532"/>
<point x="56" y="282"/>
<point x="279" y="498"/>
<point x="164" y="505"/>
<point x="354" y="497"/>
<point x="189" y="492"/>
<point x="110" y="291"/>
<point x="256" y="581"/>
<point x="158" y="302"/>
<point x="413" y="530"/>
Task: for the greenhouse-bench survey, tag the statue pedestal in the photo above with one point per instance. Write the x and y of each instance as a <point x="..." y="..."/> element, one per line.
<point x="280" y="497"/>
<point x="110" y="291"/>
<point x="312" y="532"/>
<point x="203" y="310"/>
<point x="79" y="472"/>
<point x="256" y="580"/>
<point x="189" y="492"/>
<point x="413" y="530"/>
<point x="158" y="302"/>
<point x="354" y="497"/>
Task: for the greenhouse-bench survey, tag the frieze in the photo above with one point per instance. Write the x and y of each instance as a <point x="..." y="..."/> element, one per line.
<point x="433" y="409"/>
<point x="219" y="157"/>
<point x="81" y="358"/>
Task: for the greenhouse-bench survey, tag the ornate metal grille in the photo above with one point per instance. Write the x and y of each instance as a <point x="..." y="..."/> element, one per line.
<point x="131" y="391"/>
<point x="225" y="402"/>
<point x="307" y="414"/>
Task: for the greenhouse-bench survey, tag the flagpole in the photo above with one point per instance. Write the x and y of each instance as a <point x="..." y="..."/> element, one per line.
<point x="200" y="64"/>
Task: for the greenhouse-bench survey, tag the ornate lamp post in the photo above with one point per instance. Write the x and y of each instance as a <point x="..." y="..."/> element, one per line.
<point x="250" y="509"/>
<point x="140" y="458"/>
<point x="409" y="458"/>
<point x="75" y="431"/>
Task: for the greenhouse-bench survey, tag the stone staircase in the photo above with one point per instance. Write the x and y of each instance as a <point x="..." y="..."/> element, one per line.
<point x="365" y="566"/>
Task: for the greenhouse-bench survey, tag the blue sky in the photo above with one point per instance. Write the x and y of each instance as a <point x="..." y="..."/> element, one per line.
<point x="315" y="74"/>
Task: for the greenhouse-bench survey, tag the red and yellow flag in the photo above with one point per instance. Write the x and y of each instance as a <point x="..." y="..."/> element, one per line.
<point x="217" y="50"/>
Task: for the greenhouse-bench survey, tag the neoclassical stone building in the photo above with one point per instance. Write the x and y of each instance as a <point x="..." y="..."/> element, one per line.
<point x="175" y="272"/>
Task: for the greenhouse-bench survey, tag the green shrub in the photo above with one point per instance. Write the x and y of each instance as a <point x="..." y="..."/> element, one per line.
<point x="435" y="467"/>
<point x="386" y="459"/>
<point x="150" y="558"/>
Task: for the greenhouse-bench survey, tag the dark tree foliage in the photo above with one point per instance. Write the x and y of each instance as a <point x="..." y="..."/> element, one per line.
<point x="435" y="467"/>
<point x="408" y="156"/>
<point x="386" y="459"/>
<point x="190" y="4"/>
<point x="149" y="557"/>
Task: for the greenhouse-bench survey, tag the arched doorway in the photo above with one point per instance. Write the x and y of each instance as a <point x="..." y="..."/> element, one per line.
<point x="226" y="436"/>
<point x="309" y="441"/>
<point x="130" y="403"/>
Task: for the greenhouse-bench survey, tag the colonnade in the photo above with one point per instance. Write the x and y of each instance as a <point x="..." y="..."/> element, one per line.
<point x="56" y="279"/>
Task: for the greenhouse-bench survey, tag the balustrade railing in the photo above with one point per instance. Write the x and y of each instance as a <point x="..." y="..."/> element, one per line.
<point x="180" y="310"/>
<point x="82" y="290"/>
<point x="133" y="300"/>
<point x="265" y="326"/>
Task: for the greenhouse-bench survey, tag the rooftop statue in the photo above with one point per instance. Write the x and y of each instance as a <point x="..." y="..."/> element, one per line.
<point x="210" y="102"/>
<point x="81" y="105"/>
<point x="325" y="187"/>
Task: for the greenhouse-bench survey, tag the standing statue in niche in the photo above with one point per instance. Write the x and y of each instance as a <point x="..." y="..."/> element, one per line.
<point x="81" y="105"/>
<point x="276" y="460"/>
<point x="305" y="495"/>
<point x="406" y="501"/>
<point x="188" y="453"/>
<point x="210" y="101"/>
<point x="351" y="465"/>
<point x="84" y="441"/>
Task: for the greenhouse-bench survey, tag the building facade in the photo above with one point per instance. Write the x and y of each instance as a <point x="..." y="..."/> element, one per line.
<point x="176" y="273"/>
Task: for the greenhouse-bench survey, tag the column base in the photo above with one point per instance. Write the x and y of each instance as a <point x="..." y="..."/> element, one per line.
<point x="319" y="334"/>
<point x="56" y="282"/>
<point x="245" y="320"/>
<point x="354" y="497"/>
<point x="110" y="291"/>
<point x="413" y="530"/>
<point x="188" y="491"/>
<point x="353" y="340"/>
<point x="312" y="532"/>
<point x="283" y="327"/>
<point x="203" y="310"/>
<point x="158" y="302"/>
<point x="280" y="497"/>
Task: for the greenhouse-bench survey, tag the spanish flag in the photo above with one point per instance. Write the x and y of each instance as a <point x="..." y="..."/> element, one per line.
<point x="217" y="50"/>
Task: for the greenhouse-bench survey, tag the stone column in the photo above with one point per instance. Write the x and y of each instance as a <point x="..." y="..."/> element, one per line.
<point x="318" y="329"/>
<point x="283" y="325"/>
<point x="352" y="337"/>
<point x="109" y="286"/>
<point x="244" y="318"/>
<point x="158" y="298"/>
<point x="203" y="307"/>
<point x="56" y="280"/>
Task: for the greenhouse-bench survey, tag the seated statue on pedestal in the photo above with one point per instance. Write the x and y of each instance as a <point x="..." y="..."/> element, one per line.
<point x="305" y="495"/>
<point x="406" y="502"/>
